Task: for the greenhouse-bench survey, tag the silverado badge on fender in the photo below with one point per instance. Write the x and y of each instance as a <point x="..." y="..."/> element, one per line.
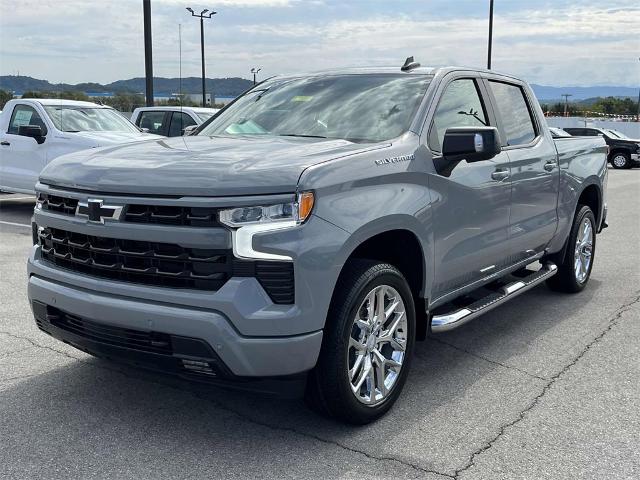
<point x="402" y="158"/>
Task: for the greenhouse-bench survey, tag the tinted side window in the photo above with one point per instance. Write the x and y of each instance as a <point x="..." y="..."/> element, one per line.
<point x="152" y="121"/>
<point x="576" y="132"/>
<point x="589" y="132"/>
<point x="460" y="106"/>
<point x="25" y="115"/>
<point x="515" y="113"/>
<point x="179" y="121"/>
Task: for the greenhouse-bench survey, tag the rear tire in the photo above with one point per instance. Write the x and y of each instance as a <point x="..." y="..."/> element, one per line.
<point x="575" y="270"/>
<point x="367" y="346"/>
<point x="621" y="160"/>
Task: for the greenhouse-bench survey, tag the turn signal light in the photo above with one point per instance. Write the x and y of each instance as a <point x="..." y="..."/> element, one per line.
<point x="305" y="205"/>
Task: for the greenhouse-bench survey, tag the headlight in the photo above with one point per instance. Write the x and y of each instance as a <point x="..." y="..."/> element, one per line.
<point x="247" y="221"/>
<point x="297" y="212"/>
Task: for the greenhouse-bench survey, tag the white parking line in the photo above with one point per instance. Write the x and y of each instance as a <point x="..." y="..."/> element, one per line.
<point x="15" y="224"/>
<point x="17" y="198"/>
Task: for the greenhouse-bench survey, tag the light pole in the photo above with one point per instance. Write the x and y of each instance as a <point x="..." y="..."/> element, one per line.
<point x="255" y="72"/>
<point x="566" y="103"/>
<point x="490" y="34"/>
<point x="148" y="61"/>
<point x="202" y="15"/>
<point x="638" y="116"/>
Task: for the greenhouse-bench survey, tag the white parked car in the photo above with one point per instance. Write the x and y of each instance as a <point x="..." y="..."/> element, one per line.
<point x="35" y="131"/>
<point x="170" y="121"/>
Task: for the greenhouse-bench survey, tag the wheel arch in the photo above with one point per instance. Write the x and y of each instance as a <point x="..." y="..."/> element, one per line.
<point x="399" y="245"/>
<point x="615" y="150"/>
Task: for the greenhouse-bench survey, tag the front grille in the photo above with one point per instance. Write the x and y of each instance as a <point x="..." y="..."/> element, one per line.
<point x="148" y="263"/>
<point x="153" y="342"/>
<point x="137" y="213"/>
<point x="171" y="215"/>
<point x="161" y="264"/>
<point x="55" y="203"/>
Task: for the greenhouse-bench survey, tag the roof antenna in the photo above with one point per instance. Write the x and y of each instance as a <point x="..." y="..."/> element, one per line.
<point x="409" y="64"/>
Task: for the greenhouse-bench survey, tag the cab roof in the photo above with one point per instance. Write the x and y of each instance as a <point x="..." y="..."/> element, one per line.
<point x="65" y="102"/>
<point x="426" y="70"/>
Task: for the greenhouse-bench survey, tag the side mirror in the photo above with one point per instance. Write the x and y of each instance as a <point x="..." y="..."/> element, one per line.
<point x="33" y="131"/>
<point x="143" y="130"/>
<point x="190" y="130"/>
<point x="472" y="144"/>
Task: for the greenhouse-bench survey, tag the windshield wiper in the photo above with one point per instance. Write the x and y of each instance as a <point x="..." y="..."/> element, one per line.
<point x="300" y="135"/>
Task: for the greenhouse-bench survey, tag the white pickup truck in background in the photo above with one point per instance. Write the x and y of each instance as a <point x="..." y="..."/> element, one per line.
<point x="35" y="131"/>
<point x="171" y="121"/>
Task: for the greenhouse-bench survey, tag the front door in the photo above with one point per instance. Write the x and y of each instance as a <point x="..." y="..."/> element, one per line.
<point x="21" y="158"/>
<point x="471" y="200"/>
<point x="535" y="173"/>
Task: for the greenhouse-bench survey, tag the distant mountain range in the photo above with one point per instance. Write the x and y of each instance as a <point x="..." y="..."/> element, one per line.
<point x="220" y="87"/>
<point x="231" y="87"/>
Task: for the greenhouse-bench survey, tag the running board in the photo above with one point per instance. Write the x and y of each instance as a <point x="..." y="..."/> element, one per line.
<point x="449" y="321"/>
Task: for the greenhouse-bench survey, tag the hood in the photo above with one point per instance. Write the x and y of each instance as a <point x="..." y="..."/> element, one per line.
<point x="197" y="166"/>
<point x="103" y="139"/>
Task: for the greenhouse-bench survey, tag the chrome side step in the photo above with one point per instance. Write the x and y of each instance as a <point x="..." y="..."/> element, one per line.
<point x="449" y="321"/>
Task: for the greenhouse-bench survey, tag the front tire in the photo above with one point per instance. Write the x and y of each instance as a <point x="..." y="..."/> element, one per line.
<point x="621" y="160"/>
<point x="368" y="344"/>
<point x="575" y="270"/>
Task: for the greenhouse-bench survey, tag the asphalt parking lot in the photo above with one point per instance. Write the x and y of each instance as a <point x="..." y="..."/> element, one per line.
<point x="547" y="386"/>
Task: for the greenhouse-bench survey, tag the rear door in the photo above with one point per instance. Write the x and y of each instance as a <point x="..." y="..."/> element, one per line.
<point x="471" y="213"/>
<point x="535" y="173"/>
<point x="22" y="158"/>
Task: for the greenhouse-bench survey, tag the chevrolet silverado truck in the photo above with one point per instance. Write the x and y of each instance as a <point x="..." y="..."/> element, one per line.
<point x="35" y="131"/>
<point x="314" y="229"/>
<point x="624" y="152"/>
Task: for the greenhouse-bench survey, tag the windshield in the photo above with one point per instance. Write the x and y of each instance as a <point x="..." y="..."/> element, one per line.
<point x="204" y="116"/>
<point x="88" y="119"/>
<point x="359" y="108"/>
<point x="617" y="134"/>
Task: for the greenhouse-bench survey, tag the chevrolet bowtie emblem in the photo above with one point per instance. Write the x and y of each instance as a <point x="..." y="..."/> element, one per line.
<point x="97" y="212"/>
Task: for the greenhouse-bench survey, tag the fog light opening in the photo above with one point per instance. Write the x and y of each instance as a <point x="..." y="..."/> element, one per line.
<point x="198" y="366"/>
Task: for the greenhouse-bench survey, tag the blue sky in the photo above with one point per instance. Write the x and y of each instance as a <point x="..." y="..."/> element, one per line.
<point x="556" y="42"/>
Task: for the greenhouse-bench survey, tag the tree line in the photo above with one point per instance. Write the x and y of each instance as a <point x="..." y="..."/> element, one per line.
<point x="606" y="105"/>
<point x="127" y="102"/>
<point x="123" y="102"/>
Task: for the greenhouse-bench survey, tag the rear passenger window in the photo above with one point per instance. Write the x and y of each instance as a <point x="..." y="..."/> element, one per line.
<point x="460" y="106"/>
<point x="516" y="116"/>
<point x="152" y="121"/>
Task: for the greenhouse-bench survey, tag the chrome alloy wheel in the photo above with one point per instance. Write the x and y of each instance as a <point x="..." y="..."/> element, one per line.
<point x="583" y="250"/>
<point x="377" y="345"/>
<point x="619" y="161"/>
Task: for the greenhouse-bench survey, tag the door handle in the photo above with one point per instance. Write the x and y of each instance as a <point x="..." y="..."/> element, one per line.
<point x="500" y="175"/>
<point x="5" y="144"/>
<point x="550" y="166"/>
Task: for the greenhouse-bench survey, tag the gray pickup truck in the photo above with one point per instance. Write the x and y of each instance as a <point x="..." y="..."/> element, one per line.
<point x="314" y="229"/>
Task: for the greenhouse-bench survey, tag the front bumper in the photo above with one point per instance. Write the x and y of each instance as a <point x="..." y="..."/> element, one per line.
<point x="635" y="157"/>
<point x="235" y="356"/>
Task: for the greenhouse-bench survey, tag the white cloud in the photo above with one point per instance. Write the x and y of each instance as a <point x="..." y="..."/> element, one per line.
<point x="86" y="41"/>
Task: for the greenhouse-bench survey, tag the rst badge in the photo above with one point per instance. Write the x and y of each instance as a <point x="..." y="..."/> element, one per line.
<point x="97" y="212"/>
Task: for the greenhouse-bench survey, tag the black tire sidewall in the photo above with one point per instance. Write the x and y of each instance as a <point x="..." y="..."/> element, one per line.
<point x="350" y="409"/>
<point x="571" y="253"/>
<point x="627" y="158"/>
